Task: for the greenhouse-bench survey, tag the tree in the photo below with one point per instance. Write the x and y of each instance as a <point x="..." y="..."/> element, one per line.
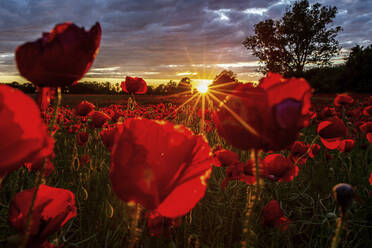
<point x="359" y="67"/>
<point x="299" y="38"/>
<point x="184" y="85"/>
<point x="224" y="83"/>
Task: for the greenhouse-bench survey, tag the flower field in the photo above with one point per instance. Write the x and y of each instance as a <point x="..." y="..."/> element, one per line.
<point x="303" y="215"/>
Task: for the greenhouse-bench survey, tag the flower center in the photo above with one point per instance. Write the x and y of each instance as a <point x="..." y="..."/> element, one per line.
<point x="287" y="113"/>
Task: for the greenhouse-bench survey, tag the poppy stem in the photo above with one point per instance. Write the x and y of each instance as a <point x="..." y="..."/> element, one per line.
<point x="40" y="176"/>
<point x="38" y="182"/>
<point x="56" y="111"/>
<point x="336" y="238"/>
<point x="258" y="188"/>
<point x="134" y="226"/>
<point x="307" y="151"/>
<point x="133" y="101"/>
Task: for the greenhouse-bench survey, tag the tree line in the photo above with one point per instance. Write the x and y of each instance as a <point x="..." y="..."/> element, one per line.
<point x="93" y="88"/>
<point x="302" y="44"/>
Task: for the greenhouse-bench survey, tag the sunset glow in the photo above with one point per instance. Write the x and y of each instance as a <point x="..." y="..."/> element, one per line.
<point x="202" y="85"/>
<point x="202" y="88"/>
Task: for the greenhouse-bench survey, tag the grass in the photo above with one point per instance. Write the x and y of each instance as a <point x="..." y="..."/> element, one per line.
<point x="218" y="219"/>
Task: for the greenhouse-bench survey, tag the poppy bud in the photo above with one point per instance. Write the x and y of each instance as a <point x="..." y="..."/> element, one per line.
<point x="83" y="138"/>
<point x="344" y="195"/>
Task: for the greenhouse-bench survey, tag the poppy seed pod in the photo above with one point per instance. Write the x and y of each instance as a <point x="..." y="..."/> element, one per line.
<point x="344" y="195"/>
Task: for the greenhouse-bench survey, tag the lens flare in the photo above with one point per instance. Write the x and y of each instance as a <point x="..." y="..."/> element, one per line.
<point x="202" y="88"/>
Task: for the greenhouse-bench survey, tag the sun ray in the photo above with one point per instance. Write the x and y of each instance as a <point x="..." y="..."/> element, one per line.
<point x="177" y="94"/>
<point x="222" y="85"/>
<point x="194" y="107"/>
<point x="183" y="104"/>
<point x="235" y="115"/>
<point x="210" y="102"/>
<point x="203" y="114"/>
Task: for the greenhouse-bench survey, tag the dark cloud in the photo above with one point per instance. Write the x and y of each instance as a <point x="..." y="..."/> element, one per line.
<point x="163" y="38"/>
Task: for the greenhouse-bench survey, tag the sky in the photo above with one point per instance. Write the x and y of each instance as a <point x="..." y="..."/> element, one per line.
<point x="161" y="40"/>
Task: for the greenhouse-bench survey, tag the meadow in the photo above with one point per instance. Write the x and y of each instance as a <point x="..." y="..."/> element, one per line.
<point x="231" y="212"/>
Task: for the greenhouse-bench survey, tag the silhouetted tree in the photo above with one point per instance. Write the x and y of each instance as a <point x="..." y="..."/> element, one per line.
<point x="223" y="83"/>
<point x="359" y="67"/>
<point x="160" y="90"/>
<point x="28" y="88"/>
<point x="185" y="85"/>
<point x="300" y="37"/>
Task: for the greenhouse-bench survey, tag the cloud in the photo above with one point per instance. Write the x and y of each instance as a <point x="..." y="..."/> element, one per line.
<point x="161" y="38"/>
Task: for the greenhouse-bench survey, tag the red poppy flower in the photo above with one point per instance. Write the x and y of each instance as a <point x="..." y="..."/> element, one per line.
<point x="273" y="216"/>
<point x="240" y="171"/>
<point x="83" y="138"/>
<point x="278" y="168"/>
<point x="366" y="127"/>
<point x="370" y="179"/>
<point x="346" y="145"/>
<point x="84" y="159"/>
<point x="25" y="133"/>
<point x="99" y="119"/>
<point x="48" y="166"/>
<point x="226" y="157"/>
<point x="265" y="117"/>
<point x="298" y="153"/>
<point x="368" y="101"/>
<point x="108" y="137"/>
<point x="52" y="209"/>
<point x="116" y="116"/>
<point x="327" y="112"/>
<point x="60" y="57"/>
<point x="134" y="85"/>
<point x="84" y="108"/>
<point x="367" y="111"/>
<point x="161" y="226"/>
<point x="331" y="132"/>
<point x="369" y="137"/>
<point x="160" y="165"/>
<point x="342" y="100"/>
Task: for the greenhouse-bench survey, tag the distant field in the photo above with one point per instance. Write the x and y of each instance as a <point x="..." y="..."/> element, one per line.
<point x="106" y="100"/>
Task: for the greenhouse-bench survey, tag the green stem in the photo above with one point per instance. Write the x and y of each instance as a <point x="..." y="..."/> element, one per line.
<point x="337" y="237"/>
<point x="135" y="231"/>
<point x="40" y="175"/>
<point x="257" y="174"/>
<point x="56" y="111"/>
<point x="28" y="222"/>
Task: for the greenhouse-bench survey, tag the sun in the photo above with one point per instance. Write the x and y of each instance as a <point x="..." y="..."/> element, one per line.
<point x="202" y="86"/>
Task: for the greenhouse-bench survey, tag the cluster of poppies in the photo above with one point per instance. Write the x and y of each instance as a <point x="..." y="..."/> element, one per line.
<point x="171" y="179"/>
